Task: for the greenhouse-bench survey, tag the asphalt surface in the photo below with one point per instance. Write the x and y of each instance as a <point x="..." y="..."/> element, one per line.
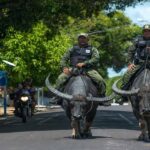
<point x="114" y="128"/>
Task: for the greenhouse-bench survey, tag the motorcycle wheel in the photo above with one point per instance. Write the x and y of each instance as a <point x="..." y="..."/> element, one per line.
<point x="29" y="112"/>
<point x="24" y="115"/>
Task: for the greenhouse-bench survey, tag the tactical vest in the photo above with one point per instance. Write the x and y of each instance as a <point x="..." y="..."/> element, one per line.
<point x="79" y="55"/>
<point x="141" y="49"/>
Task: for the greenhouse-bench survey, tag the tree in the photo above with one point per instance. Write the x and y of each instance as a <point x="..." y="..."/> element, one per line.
<point x="22" y="14"/>
<point x="36" y="54"/>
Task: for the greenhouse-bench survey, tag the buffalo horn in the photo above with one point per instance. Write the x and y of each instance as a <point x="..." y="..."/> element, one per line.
<point x="124" y="92"/>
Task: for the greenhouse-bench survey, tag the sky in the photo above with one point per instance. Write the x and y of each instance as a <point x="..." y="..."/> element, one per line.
<point x="140" y="14"/>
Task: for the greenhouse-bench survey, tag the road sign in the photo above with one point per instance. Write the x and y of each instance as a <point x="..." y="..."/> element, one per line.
<point x="3" y="78"/>
<point x="3" y="83"/>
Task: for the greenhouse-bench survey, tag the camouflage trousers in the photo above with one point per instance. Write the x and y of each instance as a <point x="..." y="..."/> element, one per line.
<point x="93" y="74"/>
<point x="126" y="77"/>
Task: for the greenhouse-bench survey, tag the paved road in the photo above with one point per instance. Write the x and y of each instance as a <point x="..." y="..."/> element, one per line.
<point x="114" y="128"/>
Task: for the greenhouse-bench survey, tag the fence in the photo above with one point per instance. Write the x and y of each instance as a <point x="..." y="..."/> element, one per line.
<point x="41" y="100"/>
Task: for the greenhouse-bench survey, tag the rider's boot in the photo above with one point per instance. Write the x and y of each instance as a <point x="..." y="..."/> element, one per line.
<point x="124" y="99"/>
<point x="16" y="112"/>
<point x="33" y="107"/>
<point x="102" y="93"/>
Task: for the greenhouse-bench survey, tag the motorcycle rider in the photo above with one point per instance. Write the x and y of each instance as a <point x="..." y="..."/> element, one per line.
<point x="27" y="85"/>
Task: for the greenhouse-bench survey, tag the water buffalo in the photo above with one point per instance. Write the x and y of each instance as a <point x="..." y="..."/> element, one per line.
<point x="139" y="96"/>
<point x="80" y="102"/>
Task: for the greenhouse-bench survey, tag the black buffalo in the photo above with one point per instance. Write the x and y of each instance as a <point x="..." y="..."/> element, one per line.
<point x="80" y="102"/>
<point x="139" y="96"/>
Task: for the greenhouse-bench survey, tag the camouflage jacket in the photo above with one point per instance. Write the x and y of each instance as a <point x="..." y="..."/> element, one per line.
<point x="132" y="49"/>
<point x="137" y="51"/>
<point x="93" y="61"/>
<point x="131" y="53"/>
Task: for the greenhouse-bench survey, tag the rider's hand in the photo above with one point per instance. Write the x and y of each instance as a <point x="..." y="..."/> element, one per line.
<point x="131" y="66"/>
<point x="66" y="70"/>
<point x="80" y="65"/>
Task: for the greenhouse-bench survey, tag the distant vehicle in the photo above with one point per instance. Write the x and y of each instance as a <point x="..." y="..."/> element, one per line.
<point x="24" y="105"/>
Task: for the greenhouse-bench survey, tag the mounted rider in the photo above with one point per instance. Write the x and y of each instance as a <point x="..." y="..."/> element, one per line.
<point x="137" y="54"/>
<point x="84" y="56"/>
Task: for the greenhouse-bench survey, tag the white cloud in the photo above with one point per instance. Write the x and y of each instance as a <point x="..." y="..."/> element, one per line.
<point x="140" y="14"/>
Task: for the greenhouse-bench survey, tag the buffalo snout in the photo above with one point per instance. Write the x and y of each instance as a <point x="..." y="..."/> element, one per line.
<point x="77" y="110"/>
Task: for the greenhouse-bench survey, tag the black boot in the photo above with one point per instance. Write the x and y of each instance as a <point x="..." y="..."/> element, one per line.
<point x="16" y="113"/>
<point x="124" y="98"/>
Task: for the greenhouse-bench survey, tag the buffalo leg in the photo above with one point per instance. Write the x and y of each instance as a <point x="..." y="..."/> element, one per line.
<point x="87" y="130"/>
<point x="144" y="130"/>
<point x="147" y="118"/>
<point x="88" y="122"/>
<point x="75" y="129"/>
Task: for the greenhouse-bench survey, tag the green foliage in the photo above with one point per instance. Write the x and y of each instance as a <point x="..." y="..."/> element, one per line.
<point x="34" y="55"/>
<point x="22" y="14"/>
<point x="109" y="83"/>
<point x="35" y="34"/>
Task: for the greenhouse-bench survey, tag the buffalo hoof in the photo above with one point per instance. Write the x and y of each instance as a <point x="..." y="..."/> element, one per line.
<point x="141" y="137"/>
<point x="144" y="137"/>
<point x="78" y="136"/>
<point x="87" y="135"/>
<point x="147" y="139"/>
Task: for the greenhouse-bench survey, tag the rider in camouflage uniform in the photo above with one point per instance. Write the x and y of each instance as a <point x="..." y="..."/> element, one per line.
<point x="81" y="55"/>
<point x="136" y="55"/>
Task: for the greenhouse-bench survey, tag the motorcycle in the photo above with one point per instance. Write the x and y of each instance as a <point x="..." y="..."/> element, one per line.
<point x="25" y="105"/>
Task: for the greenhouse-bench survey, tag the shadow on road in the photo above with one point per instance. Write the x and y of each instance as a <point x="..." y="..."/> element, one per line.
<point x="109" y="119"/>
<point x="105" y="119"/>
<point x="91" y="138"/>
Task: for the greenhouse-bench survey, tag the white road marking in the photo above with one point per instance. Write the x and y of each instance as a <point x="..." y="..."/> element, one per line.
<point x="126" y="119"/>
<point x="38" y="119"/>
<point x="10" y="122"/>
<point x="43" y="121"/>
